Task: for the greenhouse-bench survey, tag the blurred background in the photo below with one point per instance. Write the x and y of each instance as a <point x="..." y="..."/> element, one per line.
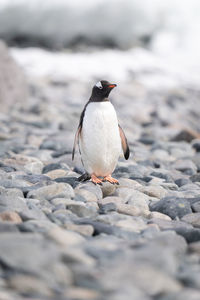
<point x="150" y="48"/>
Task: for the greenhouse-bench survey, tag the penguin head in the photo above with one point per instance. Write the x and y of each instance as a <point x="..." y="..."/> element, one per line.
<point x="101" y="90"/>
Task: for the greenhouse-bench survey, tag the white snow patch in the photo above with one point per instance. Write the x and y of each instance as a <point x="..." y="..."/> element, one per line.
<point x="142" y="65"/>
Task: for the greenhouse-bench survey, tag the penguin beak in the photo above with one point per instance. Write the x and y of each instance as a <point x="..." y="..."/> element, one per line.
<point x="111" y="86"/>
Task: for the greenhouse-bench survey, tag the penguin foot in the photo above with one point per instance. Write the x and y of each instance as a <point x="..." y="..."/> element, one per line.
<point x="110" y="179"/>
<point x="95" y="179"/>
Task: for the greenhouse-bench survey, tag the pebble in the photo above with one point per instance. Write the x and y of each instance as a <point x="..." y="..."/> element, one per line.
<point x="56" y="190"/>
<point x="87" y="195"/>
<point x="108" y="189"/>
<point x="156" y="214"/>
<point x="83" y="210"/>
<point x="173" y="207"/>
<point x="193" y="219"/>
<point x="128" y="210"/>
<point x="10" y="216"/>
<point x="34" y="167"/>
<point x="65" y="238"/>
<point x="132" y="224"/>
<point x="127" y="193"/>
<point x="154" y="191"/>
<point x="86" y="230"/>
<point x="57" y="173"/>
<point x="112" y="199"/>
<point x="91" y="187"/>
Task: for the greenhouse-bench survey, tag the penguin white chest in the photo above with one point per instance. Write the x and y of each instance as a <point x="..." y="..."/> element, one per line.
<point x="100" y="139"/>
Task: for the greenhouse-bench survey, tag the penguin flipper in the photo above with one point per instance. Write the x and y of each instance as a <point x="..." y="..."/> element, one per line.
<point x="124" y="142"/>
<point x="76" y="141"/>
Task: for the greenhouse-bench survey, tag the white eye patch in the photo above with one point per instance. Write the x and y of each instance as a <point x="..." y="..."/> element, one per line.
<point x="99" y="85"/>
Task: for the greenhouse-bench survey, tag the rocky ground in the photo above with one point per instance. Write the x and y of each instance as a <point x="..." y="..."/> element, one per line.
<point x="62" y="239"/>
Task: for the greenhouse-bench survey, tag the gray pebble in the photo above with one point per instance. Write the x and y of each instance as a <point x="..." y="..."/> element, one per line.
<point x="177" y="207"/>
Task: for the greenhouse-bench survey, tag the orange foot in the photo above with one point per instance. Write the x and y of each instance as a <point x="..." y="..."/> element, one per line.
<point x="110" y="179"/>
<point x="95" y="179"/>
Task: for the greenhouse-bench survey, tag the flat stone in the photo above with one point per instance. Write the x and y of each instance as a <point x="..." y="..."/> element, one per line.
<point x="126" y="233"/>
<point x="91" y="187"/>
<point x="41" y="226"/>
<point x="108" y="189"/>
<point x="134" y="224"/>
<point x="128" y="210"/>
<point x="129" y="183"/>
<point x="65" y="237"/>
<point x="57" y="173"/>
<point x="141" y="203"/>
<point x="127" y="193"/>
<point x="81" y="210"/>
<point x="10" y="216"/>
<point x="56" y="190"/>
<point x="16" y="203"/>
<point x="158" y="215"/>
<point x="13" y="183"/>
<point x="34" y="167"/>
<point x="173" y="207"/>
<point x="112" y="199"/>
<point x="32" y="214"/>
<point x="13" y="192"/>
<point x="193" y="219"/>
<point x="164" y="224"/>
<point x="86" y="230"/>
<point x="76" y="255"/>
<point x="86" y="194"/>
<point x="154" y="191"/>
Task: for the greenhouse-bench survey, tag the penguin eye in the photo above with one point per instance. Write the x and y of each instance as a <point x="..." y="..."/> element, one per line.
<point x="99" y="85"/>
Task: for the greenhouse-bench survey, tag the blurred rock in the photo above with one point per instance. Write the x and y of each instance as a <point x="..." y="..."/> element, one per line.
<point x="186" y="135"/>
<point x="10" y="216"/>
<point x="13" y="87"/>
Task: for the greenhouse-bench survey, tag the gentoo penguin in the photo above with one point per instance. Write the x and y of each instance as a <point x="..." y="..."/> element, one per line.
<point x="99" y="136"/>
